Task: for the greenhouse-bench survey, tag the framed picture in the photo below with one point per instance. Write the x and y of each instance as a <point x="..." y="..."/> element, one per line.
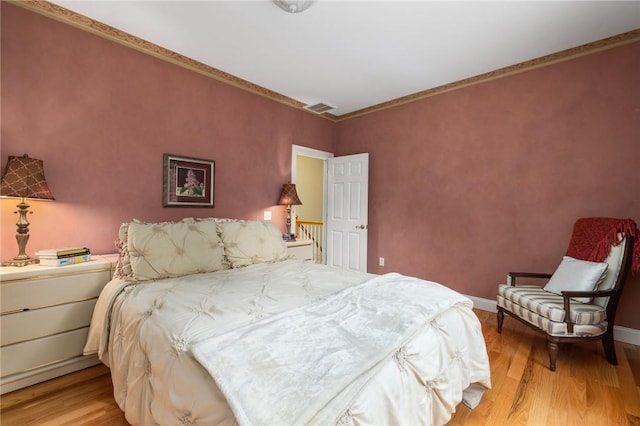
<point x="188" y="182"/>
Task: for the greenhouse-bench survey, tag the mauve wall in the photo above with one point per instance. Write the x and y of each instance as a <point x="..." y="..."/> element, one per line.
<point x="470" y="184"/>
<point x="101" y="115"/>
<point x="464" y="186"/>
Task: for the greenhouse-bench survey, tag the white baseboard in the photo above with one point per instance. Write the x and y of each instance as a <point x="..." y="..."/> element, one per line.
<point x="484" y="304"/>
<point x="626" y="335"/>
<point x="621" y="334"/>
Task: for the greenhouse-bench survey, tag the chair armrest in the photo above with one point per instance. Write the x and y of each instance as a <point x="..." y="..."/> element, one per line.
<point x="567" y="295"/>
<point x="511" y="276"/>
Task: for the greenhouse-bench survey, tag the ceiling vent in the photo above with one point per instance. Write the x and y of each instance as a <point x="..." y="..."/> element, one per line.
<point x="319" y="108"/>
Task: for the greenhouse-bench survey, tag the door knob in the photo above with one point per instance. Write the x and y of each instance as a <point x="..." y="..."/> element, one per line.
<point x="361" y="226"/>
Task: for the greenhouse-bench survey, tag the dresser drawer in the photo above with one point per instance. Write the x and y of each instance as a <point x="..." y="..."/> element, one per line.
<point x="27" y="325"/>
<point x="47" y="291"/>
<point x="45" y="313"/>
<point x="36" y="353"/>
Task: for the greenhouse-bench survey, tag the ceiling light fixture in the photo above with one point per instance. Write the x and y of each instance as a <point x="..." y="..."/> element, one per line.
<point x="293" y="6"/>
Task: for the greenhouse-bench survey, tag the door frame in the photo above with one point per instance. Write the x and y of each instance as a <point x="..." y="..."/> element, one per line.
<point x="322" y="155"/>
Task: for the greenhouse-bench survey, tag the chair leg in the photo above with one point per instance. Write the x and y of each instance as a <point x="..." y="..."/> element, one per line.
<point x="500" y="320"/>
<point x="609" y="347"/>
<point x="553" y="355"/>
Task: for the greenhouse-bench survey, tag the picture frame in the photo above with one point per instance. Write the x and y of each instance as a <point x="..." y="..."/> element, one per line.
<point x="188" y="181"/>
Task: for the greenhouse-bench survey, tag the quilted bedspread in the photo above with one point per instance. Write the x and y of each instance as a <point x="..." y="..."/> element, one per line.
<point x="148" y="333"/>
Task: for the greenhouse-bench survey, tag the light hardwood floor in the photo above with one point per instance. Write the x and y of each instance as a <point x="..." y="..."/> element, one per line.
<point x="585" y="389"/>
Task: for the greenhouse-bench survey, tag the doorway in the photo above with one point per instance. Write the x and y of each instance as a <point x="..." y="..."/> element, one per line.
<point x="335" y="217"/>
<point x="308" y="172"/>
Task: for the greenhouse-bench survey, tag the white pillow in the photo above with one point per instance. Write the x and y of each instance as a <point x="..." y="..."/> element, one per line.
<point x="246" y="243"/>
<point x="576" y="275"/>
<point x="123" y="265"/>
<point x="162" y="250"/>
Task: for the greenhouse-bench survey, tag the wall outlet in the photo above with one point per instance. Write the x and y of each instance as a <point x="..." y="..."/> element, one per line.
<point x="381" y="261"/>
<point x="267" y="215"/>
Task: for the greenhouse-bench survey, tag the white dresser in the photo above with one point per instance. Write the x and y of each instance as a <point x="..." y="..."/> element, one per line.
<point x="301" y="249"/>
<point x="45" y="313"/>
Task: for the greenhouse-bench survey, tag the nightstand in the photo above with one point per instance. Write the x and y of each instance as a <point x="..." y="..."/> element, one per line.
<point x="45" y="313"/>
<point x="301" y="249"/>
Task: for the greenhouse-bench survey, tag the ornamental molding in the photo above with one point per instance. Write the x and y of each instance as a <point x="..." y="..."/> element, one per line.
<point x="82" y="22"/>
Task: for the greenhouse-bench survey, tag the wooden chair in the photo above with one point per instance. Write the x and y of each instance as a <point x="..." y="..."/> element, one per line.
<point x="559" y="316"/>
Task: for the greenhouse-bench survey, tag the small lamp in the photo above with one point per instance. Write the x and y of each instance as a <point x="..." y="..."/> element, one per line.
<point x="289" y="197"/>
<point x="24" y="178"/>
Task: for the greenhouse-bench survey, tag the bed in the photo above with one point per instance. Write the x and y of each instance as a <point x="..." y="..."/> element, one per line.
<point x="209" y="321"/>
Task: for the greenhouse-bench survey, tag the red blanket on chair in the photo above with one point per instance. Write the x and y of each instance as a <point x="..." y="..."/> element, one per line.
<point x="593" y="237"/>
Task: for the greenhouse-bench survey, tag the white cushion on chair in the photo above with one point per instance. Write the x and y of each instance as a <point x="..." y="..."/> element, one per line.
<point x="576" y="275"/>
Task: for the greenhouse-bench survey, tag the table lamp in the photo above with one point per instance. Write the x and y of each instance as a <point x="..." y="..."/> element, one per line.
<point x="23" y="178"/>
<point x="289" y="197"/>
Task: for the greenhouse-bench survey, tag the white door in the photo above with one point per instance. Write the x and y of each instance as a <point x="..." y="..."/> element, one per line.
<point x="347" y="211"/>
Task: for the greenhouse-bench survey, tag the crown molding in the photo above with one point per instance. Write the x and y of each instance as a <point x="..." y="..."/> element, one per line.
<point x="66" y="16"/>
<point x="564" y="55"/>
<point x="77" y="20"/>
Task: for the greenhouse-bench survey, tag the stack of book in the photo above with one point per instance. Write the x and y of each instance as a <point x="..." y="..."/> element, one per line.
<point x="61" y="257"/>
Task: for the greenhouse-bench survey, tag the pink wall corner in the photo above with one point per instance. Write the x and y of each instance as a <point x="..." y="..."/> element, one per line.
<point x="101" y="116"/>
<point x="464" y="186"/>
<point x="468" y="185"/>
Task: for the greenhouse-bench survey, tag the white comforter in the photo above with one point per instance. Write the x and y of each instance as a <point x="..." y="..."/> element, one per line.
<point x="153" y="329"/>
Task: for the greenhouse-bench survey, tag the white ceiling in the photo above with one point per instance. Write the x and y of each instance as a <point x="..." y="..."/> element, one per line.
<point x="356" y="54"/>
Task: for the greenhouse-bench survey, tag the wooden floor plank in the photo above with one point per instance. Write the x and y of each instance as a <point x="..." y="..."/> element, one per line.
<point x="632" y="355"/>
<point x="568" y="391"/>
<point x="541" y="390"/>
<point x="584" y="390"/>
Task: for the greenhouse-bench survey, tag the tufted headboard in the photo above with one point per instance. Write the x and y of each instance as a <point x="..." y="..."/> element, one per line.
<point x="150" y="251"/>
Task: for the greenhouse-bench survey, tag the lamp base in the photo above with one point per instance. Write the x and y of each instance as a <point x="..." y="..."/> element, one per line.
<point x="21" y="262"/>
<point x="22" y="237"/>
